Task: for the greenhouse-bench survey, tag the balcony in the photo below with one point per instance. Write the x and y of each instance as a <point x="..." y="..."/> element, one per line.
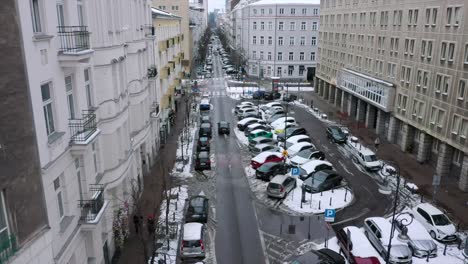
<point x="91" y="209"/>
<point x="83" y="130"/>
<point x="149" y="30"/>
<point x="74" y="44"/>
<point x="8" y="248"/>
<point x="152" y="71"/>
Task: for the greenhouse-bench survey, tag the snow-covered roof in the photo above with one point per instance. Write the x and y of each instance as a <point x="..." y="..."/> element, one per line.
<point x="257" y="131"/>
<point x="310" y="166"/>
<point x="430" y="209"/>
<point x="385" y="229"/>
<point x="361" y="245"/>
<point x="282" y="119"/>
<point x="416" y="231"/>
<point x="288" y="2"/>
<point x="245" y="120"/>
<point x="299" y="145"/>
<point x="296" y="138"/>
<point x="262" y="156"/>
<point x="252" y="126"/>
<point x="192" y="231"/>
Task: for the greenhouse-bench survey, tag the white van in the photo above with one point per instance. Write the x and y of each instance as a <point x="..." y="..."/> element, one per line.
<point x="192" y="245"/>
<point x="205" y="105"/>
<point x="363" y="155"/>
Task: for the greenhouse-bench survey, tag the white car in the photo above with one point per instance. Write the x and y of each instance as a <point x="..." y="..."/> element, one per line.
<point x="297" y="139"/>
<point x="305" y="156"/>
<point x="435" y="221"/>
<point x="308" y="168"/>
<point x="281" y="127"/>
<point x="363" y="155"/>
<point x="269" y="105"/>
<point x="282" y="120"/>
<point x="294" y="149"/>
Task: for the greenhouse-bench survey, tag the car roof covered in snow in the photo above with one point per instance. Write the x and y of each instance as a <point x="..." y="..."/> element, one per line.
<point x="245" y="120"/>
<point x="361" y="245"/>
<point x="262" y="156"/>
<point x="429" y="208"/>
<point x="257" y="131"/>
<point x="299" y="145"/>
<point x="296" y="138"/>
<point x="192" y="231"/>
<point x="282" y="119"/>
<point x="279" y="179"/>
<point x="385" y="229"/>
<point x="254" y="125"/>
<point x="310" y="166"/>
<point x="416" y="231"/>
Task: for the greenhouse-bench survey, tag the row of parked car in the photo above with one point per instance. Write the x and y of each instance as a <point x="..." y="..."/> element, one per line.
<point x="193" y="232"/>
<point x="415" y="232"/>
<point x="277" y="143"/>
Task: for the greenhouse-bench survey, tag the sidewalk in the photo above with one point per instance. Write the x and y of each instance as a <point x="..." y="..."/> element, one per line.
<point x="448" y="195"/>
<point x="132" y="251"/>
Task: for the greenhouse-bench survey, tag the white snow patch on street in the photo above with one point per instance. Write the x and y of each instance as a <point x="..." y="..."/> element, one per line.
<point x="241" y="137"/>
<point x="293" y="200"/>
<point x="182" y="167"/>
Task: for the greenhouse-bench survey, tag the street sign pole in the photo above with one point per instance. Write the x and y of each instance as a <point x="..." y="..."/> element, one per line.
<point x="435" y="183"/>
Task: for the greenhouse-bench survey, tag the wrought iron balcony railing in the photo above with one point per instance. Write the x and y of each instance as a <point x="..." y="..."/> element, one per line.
<point x="82" y="129"/>
<point x="73" y="39"/>
<point x="8" y="247"/>
<point x="90" y="208"/>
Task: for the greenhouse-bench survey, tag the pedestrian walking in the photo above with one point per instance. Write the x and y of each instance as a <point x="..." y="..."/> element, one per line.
<point x="377" y="143"/>
<point x="136" y="222"/>
<point x="150" y="224"/>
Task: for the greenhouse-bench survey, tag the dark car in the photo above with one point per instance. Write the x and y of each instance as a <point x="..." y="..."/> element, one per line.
<point x="270" y="169"/>
<point x="335" y="134"/>
<point x="205" y="130"/>
<point x="202" y="161"/>
<point x="203" y="143"/>
<point x="223" y="128"/>
<point x="289" y="97"/>
<point x="292" y="131"/>
<point x="321" y="256"/>
<point x="322" y="180"/>
<point x="205" y="119"/>
<point x="268" y="96"/>
<point x="258" y="95"/>
<point x="197" y="210"/>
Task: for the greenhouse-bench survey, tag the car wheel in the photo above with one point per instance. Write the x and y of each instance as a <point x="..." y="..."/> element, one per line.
<point x="411" y="250"/>
<point x="433" y="234"/>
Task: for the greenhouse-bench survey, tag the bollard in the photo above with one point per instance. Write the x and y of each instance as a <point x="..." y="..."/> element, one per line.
<point x="428" y="254"/>
<point x="422" y="197"/>
<point x="330" y="201"/>
<point x="281" y="228"/>
<point x="173" y="216"/>
<point x="321" y="194"/>
<point x="176" y="205"/>
<point x="345" y="194"/>
<point x="319" y="203"/>
<point x="445" y="249"/>
<point x="333" y="190"/>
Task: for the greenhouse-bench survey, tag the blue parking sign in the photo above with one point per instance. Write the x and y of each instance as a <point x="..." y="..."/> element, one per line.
<point x="295" y="171"/>
<point x="329" y="215"/>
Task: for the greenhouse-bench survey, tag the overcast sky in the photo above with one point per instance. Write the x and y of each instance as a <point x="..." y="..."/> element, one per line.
<point x="212" y="4"/>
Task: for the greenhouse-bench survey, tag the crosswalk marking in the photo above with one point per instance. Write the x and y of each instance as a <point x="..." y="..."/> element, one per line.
<point x="218" y="93"/>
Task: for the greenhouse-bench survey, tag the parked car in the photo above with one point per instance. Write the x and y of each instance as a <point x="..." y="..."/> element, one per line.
<point x="321" y="181"/>
<point x="296" y="148"/>
<point x="197" y="210"/>
<point x="247" y="121"/>
<point x="264" y="147"/>
<point x="269" y="170"/>
<point x="202" y="161"/>
<point x="280" y="186"/>
<point x="291" y="131"/>
<point x="252" y="114"/>
<point x="267" y="106"/>
<point x="355" y="246"/>
<point x="335" y="134"/>
<point x="363" y="156"/>
<point x="205" y="130"/>
<point x="203" y="143"/>
<point x="281" y="127"/>
<point x="193" y="239"/>
<point x="268" y="96"/>
<point x="242" y="107"/>
<point x="297" y="139"/>
<point x="283" y="120"/>
<point x="260" y="133"/>
<point x="420" y="242"/>
<point x="231" y="71"/>
<point x="257" y="95"/>
<point x="223" y="128"/>
<point x="260" y="140"/>
<point x="273" y="118"/>
<point x="308" y="168"/>
<point x="305" y="156"/>
<point x="377" y="230"/>
<point x="266" y="157"/>
<point x="289" y="97"/>
<point x="321" y="256"/>
<point x="205" y="119"/>
<point x="242" y="113"/>
<point x="435" y="222"/>
<point x="253" y="127"/>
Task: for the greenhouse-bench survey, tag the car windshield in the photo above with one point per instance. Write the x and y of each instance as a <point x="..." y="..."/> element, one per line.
<point x="203" y="155"/>
<point x="316" y="179"/>
<point x="266" y="167"/>
<point x="223" y="124"/>
<point x="203" y="139"/>
<point x="440" y="220"/>
<point x="291" y="130"/>
<point x="191" y="243"/>
<point x="205" y="125"/>
<point x="370" y="158"/>
<point x="304" y="154"/>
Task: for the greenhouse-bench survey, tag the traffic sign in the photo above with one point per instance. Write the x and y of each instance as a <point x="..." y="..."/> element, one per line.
<point x="295" y="171"/>
<point x="330" y="215"/>
<point x="285" y="153"/>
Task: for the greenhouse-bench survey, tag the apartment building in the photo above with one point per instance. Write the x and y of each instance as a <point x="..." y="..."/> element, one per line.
<point x="168" y="43"/>
<point x="180" y="8"/>
<point x="87" y="67"/>
<point x="401" y="67"/>
<point x="198" y="24"/>
<point x="278" y="38"/>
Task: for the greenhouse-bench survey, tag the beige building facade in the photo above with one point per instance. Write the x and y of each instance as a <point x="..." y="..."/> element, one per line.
<point x="401" y="67"/>
<point x="180" y="8"/>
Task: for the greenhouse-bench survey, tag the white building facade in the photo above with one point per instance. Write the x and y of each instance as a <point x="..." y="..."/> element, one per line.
<point x="198" y="24"/>
<point x="278" y="38"/>
<point x="87" y="64"/>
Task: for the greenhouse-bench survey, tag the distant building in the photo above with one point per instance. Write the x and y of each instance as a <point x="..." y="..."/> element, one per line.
<point x="400" y="67"/>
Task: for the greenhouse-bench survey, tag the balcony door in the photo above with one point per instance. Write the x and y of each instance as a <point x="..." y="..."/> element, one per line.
<point x="60" y="15"/>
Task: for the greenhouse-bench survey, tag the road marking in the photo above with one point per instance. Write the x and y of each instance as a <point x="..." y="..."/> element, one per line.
<point x="344" y="167"/>
<point x="365" y="211"/>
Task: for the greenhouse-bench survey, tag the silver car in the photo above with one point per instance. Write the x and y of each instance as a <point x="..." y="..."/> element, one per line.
<point x="193" y="240"/>
<point x="377" y="230"/>
<point x="259" y="148"/>
<point x="280" y="186"/>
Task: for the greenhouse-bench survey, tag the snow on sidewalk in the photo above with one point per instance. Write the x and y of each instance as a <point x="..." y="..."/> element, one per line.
<point x="182" y="167"/>
<point x="241" y="137"/>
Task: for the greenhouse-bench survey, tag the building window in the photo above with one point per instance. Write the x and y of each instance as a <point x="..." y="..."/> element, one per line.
<point x="280" y="41"/>
<point x="254" y="26"/>
<point x="291" y="56"/>
<point x="262" y="25"/>
<point x="293" y="11"/>
<point x="281" y="11"/>
<point x="47" y="106"/>
<point x="437" y="116"/>
<point x="303" y="25"/>
<point x="269" y="56"/>
<point x="301" y="56"/>
<point x="304" y="11"/>
<point x="302" y="41"/>
<point x="4" y="228"/>
<point x="290" y="70"/>
<point x="36" y="16"/>
<point x="270" y="40"/>
<point x="254" y="54"/>
<point x="451" y="51"/>
<point x="314" y="26"/>
<point x="270" y="11"/>
<point x="254" y="40"/>
<point x="95" y="160"/>
<point x="314" y="41"/>
<point x="315" y="11"/>
<point x="291" y="41"/>
<point x="261" y="55"/>
<point x="270" y="25"/>
<point x="262" y="11"/>
<point x="262" y="40"/>
<point x="58" y="192"/>
<point x="279" y="71"/>
<point x="70" y="100"/>
<point x="255" y="11"/>
<point x="434" y="16"/>
<point x="88" y="88"/>
<point x="312" y="56"/>
<point x="292" y="26"/>
<point x="281" y="26"/>
<point x="301" y="70"/>
<point x="461" y="89"/>
<point x="280" y="56"/>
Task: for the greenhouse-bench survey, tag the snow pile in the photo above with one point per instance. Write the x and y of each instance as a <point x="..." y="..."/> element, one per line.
<point x="336" y="199"/>
<point x="241" y="137"/>
<point x="170" y="242"/>
<point x="182" y="166"/>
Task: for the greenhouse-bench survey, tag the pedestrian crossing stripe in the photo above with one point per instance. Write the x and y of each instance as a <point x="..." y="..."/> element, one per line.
<point x="218" y="93"/>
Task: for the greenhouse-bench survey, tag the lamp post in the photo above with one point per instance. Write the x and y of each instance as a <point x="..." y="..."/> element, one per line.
<point x="395" y="203"/>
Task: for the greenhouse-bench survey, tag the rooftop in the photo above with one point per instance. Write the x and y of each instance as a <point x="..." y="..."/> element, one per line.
<point x="289" y="2"/>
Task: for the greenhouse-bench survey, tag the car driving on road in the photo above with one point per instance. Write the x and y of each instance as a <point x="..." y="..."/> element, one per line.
<point x="335" y="134"/>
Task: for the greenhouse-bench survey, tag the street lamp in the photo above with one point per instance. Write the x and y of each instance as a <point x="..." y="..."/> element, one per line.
<point x="395" y="203"/>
